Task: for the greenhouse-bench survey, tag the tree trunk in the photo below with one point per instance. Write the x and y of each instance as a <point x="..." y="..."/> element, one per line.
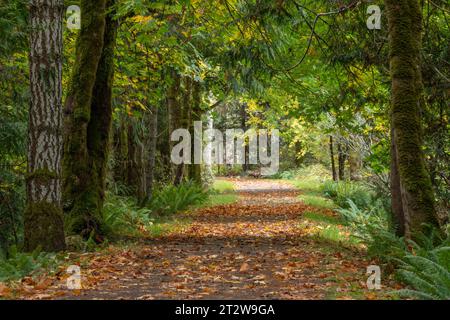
<point x="399" y="222"/>
<point x="354" y="164"/>
<point x="142" y="173"/>
<point x="121" y="136"/>
<point x="43" y="219"/>
<point x="173" y="107"/>
<point x="132" y="179"/>
<point x="184" y="122"/>
<point x="341" y="161"/>
<point x="195" y="169"/>
<point x="88" y="120"/>
<point x="163" y="164"/>
<point x="99" y="127"/>
<point x="152" y="122"/>
<point x="244" y="118"/>
<point x="405" y="40"/>
<point x="333" y="165"/>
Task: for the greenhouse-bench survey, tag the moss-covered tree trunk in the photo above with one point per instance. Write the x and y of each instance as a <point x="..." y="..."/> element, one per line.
<point x="44" y="216"/>
<point x="405" y="41"/>
<point x="399" y="222"/>
<point x="99" y="127"/>
<point x="88" y="120"/>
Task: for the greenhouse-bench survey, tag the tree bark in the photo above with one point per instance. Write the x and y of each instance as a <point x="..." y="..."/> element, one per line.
<point x="333" y="165"/>
<point x="399" y="222"/>
<point x="341" y="161"/>
<point x="173" y="107"/>
<point x="184" y="122"/>
<point x="354" y="165"/>
<point x="88" y="120"/>
<point x="163" y="164"/>
<point x="99" y="127"/>
<point x="405" y="40"/>
<point x="43" y="218"/>
<point x="121" y="136"/>
<point x="134" y="163"/>
<point x="152" y="121"/>
<point x="244" y="118"/>
<point x="195" y="169"/>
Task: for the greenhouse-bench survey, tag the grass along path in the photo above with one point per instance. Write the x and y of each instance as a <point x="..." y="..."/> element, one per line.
<point x="267" y="245"/>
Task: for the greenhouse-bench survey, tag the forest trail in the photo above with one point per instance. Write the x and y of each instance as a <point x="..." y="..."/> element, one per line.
<point x="252" y="249"/>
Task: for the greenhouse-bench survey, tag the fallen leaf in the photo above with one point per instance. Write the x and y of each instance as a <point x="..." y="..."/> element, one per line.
<point x="244" y="268"/>
<point x="4" y="290"/>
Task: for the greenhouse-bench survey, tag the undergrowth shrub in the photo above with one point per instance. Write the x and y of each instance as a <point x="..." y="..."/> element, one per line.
<point x="423" y="265"/>
<point x="315" y="172"/>
<point x="343" y="191"/>
<point x="121" y="215"/>
<point x="16" y="265"/>
<point x="373" y="227"/>
<point x="427" y="272"/>
<point x="172" y="199"/>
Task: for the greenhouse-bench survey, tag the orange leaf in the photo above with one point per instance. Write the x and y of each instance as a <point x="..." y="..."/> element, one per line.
<point x="244" y="268"/>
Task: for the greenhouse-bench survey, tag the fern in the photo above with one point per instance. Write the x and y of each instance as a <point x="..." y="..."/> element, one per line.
<point x="372" y="226"/>
<point x="19" y="265"/>
<point x="428" y="275"/>
<point x="172" y="199"/>
<point x="121" y="215"/>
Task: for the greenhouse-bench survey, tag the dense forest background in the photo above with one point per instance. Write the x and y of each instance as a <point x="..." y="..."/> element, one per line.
<point x="363" y="113"/>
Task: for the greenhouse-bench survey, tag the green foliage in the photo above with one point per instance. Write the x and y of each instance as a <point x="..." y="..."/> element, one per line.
<point x="14" y="102"/>
<point x="424" y="266"/>
<point x="219" y="200"/>
<point x="317" y="201"/>
<point x="18" y="265"/>
<point x="372" y="226"/>
<point x="328" y="228"/>
<point x="341" y="192"/>
<point x="13" y="24"/>
<point x="427" y="272"/>
<point x="316" y="172"/>
<point x="172" y="199"/>
<point x="318" y="217"/>
<point x="222" y="186"/>
<point x="122" y="216"/>
<point x="13" y="133"/>
<point x="285" y="175"/>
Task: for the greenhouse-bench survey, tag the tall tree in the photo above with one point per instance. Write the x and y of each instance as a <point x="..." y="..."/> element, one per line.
<point x="173" y="109"/>
<point x="184" y="121"/>
<point x="195" y="169"/>
<point x="151" y="145"/>
<point x="88" y="119"/>
<point x="333" y="165"/>
<point x="43" y="215"/>
<point x="415" y="201"/>
<point x="342" y="156"/>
